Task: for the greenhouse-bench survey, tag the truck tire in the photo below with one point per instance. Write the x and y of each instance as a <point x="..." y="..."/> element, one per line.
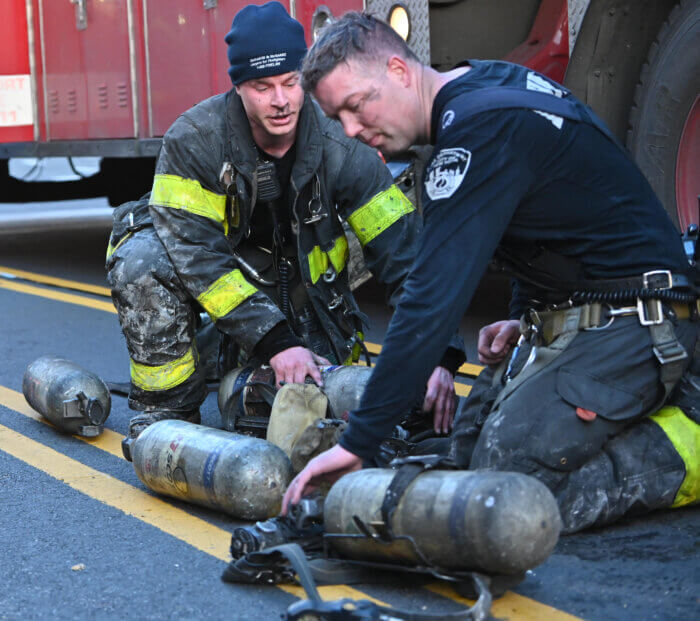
<point x="664" y="134"/>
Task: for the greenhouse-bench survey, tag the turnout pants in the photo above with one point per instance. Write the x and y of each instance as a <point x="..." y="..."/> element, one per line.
<point x="159" y="319"/>
<point x="582" y="415"/>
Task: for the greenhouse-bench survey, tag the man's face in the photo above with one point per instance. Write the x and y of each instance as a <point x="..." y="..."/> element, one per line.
<point x="372" y="104"/>
<point x="272" y="104"/>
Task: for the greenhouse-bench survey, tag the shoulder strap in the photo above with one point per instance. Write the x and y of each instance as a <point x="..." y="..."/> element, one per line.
<point x="510" y="97"/>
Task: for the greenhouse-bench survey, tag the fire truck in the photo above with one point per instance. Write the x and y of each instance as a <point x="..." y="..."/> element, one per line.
<point x="107" y="77"/>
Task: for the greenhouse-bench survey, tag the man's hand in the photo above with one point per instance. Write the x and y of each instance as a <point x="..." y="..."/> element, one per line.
<point x="328" y="466"/>
<point x="496" y="340"/>
<point x="440" y="398"/>
<point x="292" y="366"/>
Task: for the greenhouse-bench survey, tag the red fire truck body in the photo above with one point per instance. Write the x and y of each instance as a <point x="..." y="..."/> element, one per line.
<point x="108" y="77"/>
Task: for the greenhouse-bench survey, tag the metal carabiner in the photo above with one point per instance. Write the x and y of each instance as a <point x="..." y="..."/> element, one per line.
<point x="330" y="274"/>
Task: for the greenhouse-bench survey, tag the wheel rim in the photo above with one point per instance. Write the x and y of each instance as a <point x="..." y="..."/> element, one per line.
<point x="688" y="168"/>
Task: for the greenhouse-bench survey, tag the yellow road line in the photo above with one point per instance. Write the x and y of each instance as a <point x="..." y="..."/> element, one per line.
<point x="462" y="390"/>
<point x="109" y="441"/>
<point x="185" y="526"/>
<point x="132" y="501"/>
<point x="57" y="295"/>
<point x="510" y="606"/>
<point x="467" y="368"/>
<point x="59" y="282"/>
<point x="375" y="349"/>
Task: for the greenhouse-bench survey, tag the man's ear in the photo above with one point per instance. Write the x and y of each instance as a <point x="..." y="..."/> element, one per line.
<point x="398" y="69"/>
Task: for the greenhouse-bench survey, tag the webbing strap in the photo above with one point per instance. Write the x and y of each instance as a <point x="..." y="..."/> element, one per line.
<point x="510" y="97"/>
<point x="347" y="609"/>
<point x="408" y="469"/>
<point x="670" y="353"/>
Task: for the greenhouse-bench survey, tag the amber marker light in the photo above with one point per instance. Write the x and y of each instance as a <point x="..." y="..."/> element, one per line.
<point x="400" y="21"/>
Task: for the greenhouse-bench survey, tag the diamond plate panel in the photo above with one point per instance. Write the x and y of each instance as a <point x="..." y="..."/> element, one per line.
<point x="419" y="35"/>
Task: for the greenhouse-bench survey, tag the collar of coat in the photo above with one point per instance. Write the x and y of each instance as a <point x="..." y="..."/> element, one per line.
<point x="308" y="140"/>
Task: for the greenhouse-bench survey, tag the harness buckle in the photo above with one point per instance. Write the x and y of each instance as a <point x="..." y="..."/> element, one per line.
<point x="657" y="279"/>
<point x="335" y="302"/>
<point x="317" y="217"/>
<point x="669" y="353"/>
<point x="650" y="312"/>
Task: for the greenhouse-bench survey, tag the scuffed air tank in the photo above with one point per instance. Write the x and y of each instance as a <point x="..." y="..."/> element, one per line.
<point x="246" y="394"/>
<point x="239" y="475"/>
<point x="75" y="400"/>
<point x="496" y="522"/>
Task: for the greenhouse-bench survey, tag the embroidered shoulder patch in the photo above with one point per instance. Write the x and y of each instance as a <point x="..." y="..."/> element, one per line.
<point x="446" y="172"/>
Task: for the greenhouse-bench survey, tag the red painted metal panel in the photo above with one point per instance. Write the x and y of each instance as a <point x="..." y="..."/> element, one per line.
<point x="14" y="61"/>
<point x="220" y="23"/>
<point x="178" y="52"/>
<point x="66" y="90"/>
<point x="305" y="10"/>
<point x="105" y="52"/>
<point x="546" y="48"/>
<point x="141" y="74"/>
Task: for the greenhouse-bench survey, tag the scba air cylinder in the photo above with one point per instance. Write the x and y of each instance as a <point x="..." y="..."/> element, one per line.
<point x="494" y="522"/>
<point x="239" y="475"/>
<point x="75" y="400"/>
<point x="246" y="394"/>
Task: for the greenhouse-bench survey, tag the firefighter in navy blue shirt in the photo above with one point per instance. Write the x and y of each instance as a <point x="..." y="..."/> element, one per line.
<point x="604" y="320"/>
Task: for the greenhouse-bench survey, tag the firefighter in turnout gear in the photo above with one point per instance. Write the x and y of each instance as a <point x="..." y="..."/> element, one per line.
<point x="244" y="222"/>
<point x="604" y="323"/>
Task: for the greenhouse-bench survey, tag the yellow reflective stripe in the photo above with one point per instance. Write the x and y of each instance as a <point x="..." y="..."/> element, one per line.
<point x="112" y="249"/>
<point x="336" y="256"/>
<point x="164" y="376"/>
<point x="225" y="293"/>
<point x="339" y="254"/>
<point x="188" y="194"/>
<point x="685" y="437"/>
<point x="379" y="214"/>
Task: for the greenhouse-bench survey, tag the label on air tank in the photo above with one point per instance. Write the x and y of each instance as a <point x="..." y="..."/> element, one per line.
<point x="174" y="474"/>
<point x="208" y="472"/>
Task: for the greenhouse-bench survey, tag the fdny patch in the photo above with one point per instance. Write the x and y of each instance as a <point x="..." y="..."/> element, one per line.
<point x="446" y="172"/>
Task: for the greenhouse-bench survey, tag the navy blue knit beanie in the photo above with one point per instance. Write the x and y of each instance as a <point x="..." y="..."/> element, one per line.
<point x="264" y="41"/>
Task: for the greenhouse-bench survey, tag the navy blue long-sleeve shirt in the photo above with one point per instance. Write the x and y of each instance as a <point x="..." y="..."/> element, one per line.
<point x="506" y="176"/>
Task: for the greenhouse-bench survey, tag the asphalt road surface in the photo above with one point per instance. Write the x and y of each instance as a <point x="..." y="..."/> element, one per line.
<point x="81" y="537"/>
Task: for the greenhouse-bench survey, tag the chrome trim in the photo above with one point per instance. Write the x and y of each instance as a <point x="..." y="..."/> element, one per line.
<point x="149" y="100"/>
<point x="43" y="71"/>
<point x="31" y="41"/>
<point x="293" y="8"/>
<point x="132" y="66"/>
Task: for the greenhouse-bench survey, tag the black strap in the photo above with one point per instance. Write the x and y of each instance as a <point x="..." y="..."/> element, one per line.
<point x="271" y="566"/>
<point x="408" y="469"/>
<point x="511" y="97"/>
<point x="275" y="559"/>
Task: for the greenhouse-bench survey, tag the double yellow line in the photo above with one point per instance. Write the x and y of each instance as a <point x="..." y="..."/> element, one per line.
<point x="132" y="501"/>
<point x="467" y="369"/>
<point x="150" y="509"/>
